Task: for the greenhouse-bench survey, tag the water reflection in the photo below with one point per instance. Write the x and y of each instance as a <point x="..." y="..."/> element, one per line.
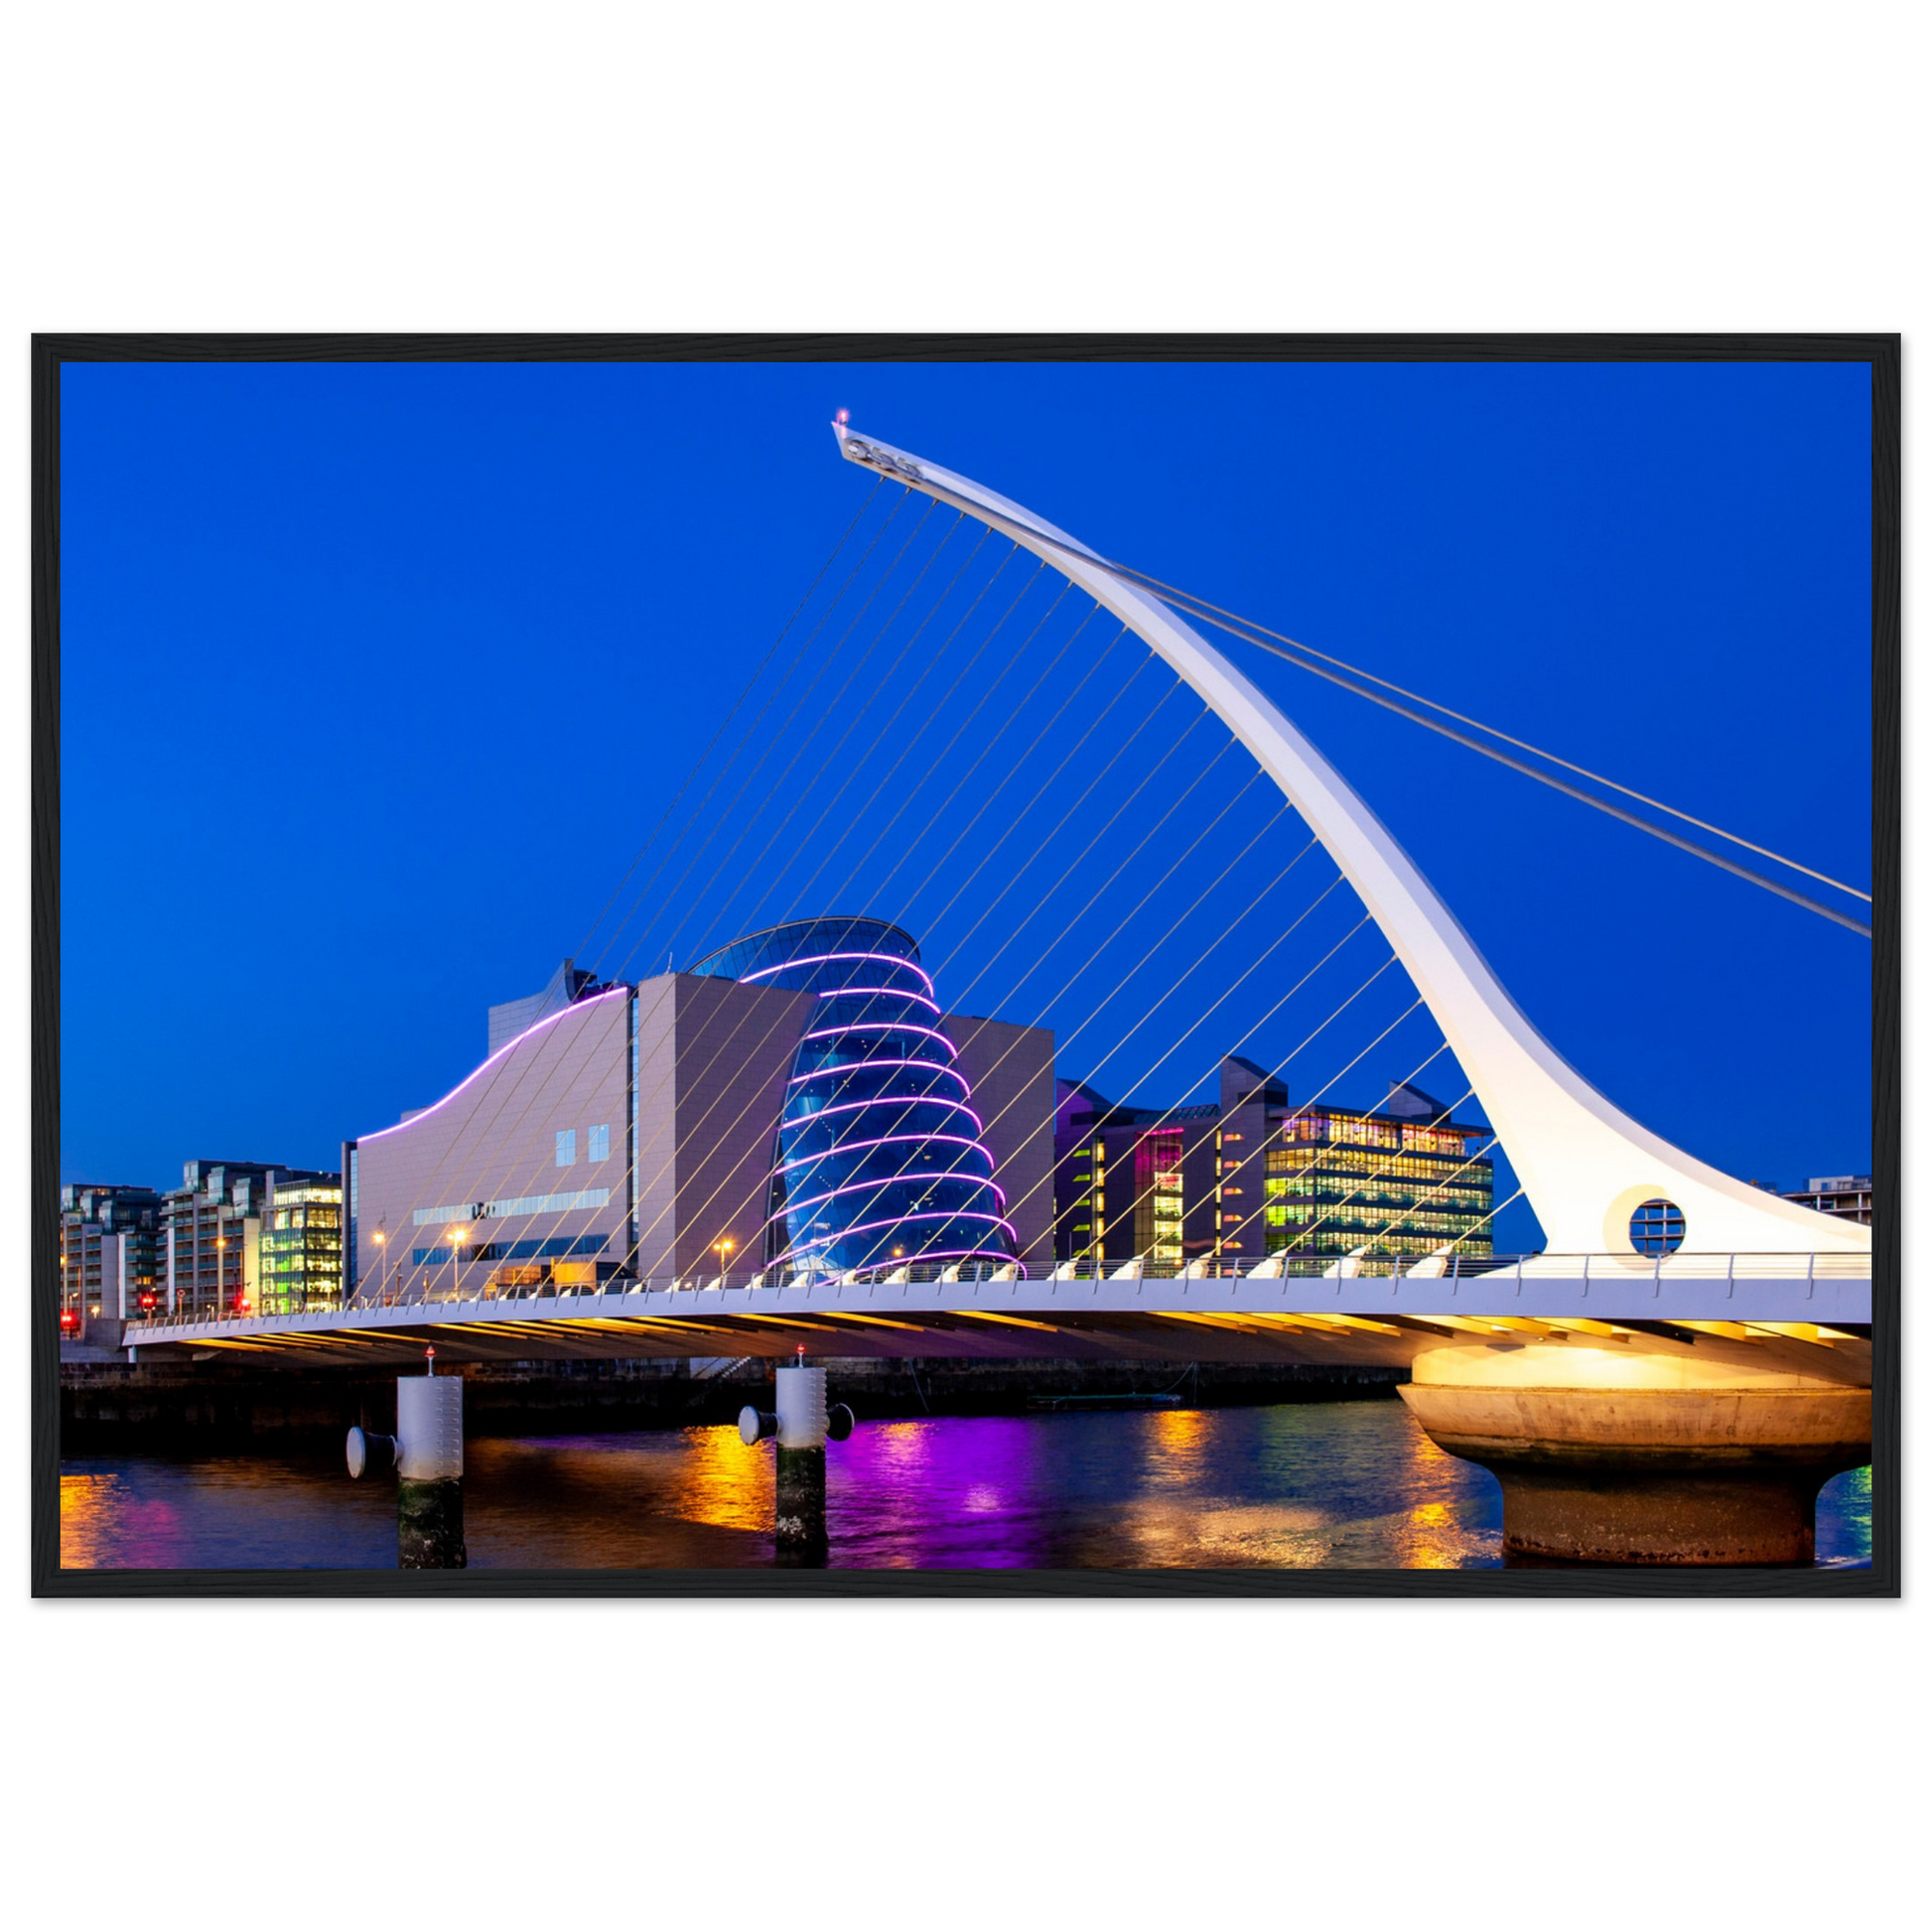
<point x="1352" y="1484"/>
<point x="1845" y="1519"/>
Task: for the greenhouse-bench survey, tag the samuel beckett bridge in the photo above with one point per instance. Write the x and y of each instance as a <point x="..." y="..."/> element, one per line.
<point x="805" y="1144"/>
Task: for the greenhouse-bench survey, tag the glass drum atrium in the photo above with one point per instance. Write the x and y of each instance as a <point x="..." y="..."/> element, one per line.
<point x="880" y="1162"/>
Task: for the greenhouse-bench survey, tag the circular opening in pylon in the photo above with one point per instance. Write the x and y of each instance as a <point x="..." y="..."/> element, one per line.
<point x="1657" y="1228"/>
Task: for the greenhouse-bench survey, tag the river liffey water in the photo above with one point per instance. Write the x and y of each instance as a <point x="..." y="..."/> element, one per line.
<point x="1343" y="1484"/>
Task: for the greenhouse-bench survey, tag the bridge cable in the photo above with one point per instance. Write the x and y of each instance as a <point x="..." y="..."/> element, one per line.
<point x="1169" y="1116"/>
<point x="720" y="1051"/>
<point x="682" y="1142"/>
<point x="831" y="709"/>
<point x="1302" y="1111"/>
<point x="1118" y="753"/>
<point x="1071" y="925"/>
<point x="704" y="757"/>
<point x="713" y="832"/>
<point x="991" y="796"/>
<point x="1253" y="631"/>
<point x="1378" y="1173"/>
<point x="1599" y="804"/>
<point x="1259" y="635"/>
<point x="1484" y="1153"/>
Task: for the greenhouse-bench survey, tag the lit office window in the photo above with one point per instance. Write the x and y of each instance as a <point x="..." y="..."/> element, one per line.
<point x="566" y="1146"/>
<point x="599" y="1144"/>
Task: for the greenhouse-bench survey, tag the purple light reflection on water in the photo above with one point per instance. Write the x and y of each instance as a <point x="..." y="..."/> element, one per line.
<point x="1327" y="1484"/>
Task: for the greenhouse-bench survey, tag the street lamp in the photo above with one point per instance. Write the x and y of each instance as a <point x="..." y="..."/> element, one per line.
<point x="723" y="1248"/>
<point x="382" y="1241"/>
<point x="221" y="1286"/>
<point x="456" y="1242"/>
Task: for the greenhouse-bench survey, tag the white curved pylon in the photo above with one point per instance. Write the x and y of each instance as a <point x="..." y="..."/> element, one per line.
<point x="1584" y="1164"/>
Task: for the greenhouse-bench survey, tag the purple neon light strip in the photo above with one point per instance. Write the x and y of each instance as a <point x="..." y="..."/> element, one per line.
<point x="887" y="1100"/>
<point x="899" y="1220"/>
<point x="935" y="1254"/>
<point x="882" y="1026"/>
<point x="879" y="993"/>
<point x="901" y="1179"/>
<point x="883" y="1140"/>
<point x="867" y="1066"/>
<point x="510" y="1046"/>
<point x="823" y="958"/>
<point x="927" y="1214"/>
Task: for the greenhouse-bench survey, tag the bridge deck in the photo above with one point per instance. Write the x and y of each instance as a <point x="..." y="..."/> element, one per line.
<point x="1342" y="1320"/>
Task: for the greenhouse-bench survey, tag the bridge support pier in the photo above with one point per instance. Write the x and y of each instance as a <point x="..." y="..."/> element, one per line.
<point x="429" y="1472"/>
<point x="802" y="1423"/>
<point x="1609" y="1457"/>
<point x="798" y="1522"/>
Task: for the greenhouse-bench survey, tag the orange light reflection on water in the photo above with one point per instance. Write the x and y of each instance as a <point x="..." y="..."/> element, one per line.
<point x="721" y="1482"/>
<point x="90" y="1512"/>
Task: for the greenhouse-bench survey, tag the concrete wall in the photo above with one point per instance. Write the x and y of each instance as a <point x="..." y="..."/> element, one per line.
<point x="656" y="1116"/>
<point x="495" y="1138"/>
<point x="1010" y="1070"/>
<point x="735" y="1049"/>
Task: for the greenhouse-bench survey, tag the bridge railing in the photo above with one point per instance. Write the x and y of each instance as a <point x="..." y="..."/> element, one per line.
<point x="621" y="1290"/>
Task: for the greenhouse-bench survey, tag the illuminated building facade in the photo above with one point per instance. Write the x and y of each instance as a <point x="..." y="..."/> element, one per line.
<point x="210" y="1246"/>
<point x="1232" y="1181"/>
<point x="795" y="1102"/>
<point x="879" y="1157"/>
<point x="110" y="1239"/>
<point x="300" y="1266"/>
<point x="1405" y="1180"/>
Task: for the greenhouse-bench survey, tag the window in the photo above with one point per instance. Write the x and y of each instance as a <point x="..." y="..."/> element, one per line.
<point x="546" y="1203"/>
<point x="566" y="1146"/>
<point x="599" y="1144"/>
<point x="1657" y="1228"/>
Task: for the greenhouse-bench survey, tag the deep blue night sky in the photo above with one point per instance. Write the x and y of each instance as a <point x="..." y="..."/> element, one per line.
<point x="374" y="678"/>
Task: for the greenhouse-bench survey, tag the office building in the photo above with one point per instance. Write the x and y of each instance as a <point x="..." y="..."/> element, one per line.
<point x="300" y="1268"/>
<point x="109" y="1241"/>
<point x="1234" y="1181"/>
<point x="796" y="1104"/>
<point x="1848" y="1195"/>
<point x="210" y="1251"/>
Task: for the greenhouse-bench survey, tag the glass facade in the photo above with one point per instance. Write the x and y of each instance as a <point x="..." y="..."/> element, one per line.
<point x="1160" y="1200"/>
<point x="1345" y="1181"/>
<point x="1230" y="1184"/>
<point x="880" y="1162"/>
<point x="301" y="1254"/>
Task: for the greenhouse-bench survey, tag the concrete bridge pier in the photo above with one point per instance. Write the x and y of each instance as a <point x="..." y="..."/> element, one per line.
<point x="427" y="1451"/>
<point x="802" y="1423"/>
<point x="798" y="1523"/>
<point x="1609" y="1457"/>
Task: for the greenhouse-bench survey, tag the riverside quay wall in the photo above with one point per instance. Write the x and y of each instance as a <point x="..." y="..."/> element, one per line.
<point x="122" y="1406"/>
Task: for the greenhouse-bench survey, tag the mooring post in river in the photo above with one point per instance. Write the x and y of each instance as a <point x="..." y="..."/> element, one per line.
<point x="427" y="1453"/>
<point x="802" y="1423"/>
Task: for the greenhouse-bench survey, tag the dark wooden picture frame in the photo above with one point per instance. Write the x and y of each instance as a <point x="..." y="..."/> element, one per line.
<point x="50" y="1588"/>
